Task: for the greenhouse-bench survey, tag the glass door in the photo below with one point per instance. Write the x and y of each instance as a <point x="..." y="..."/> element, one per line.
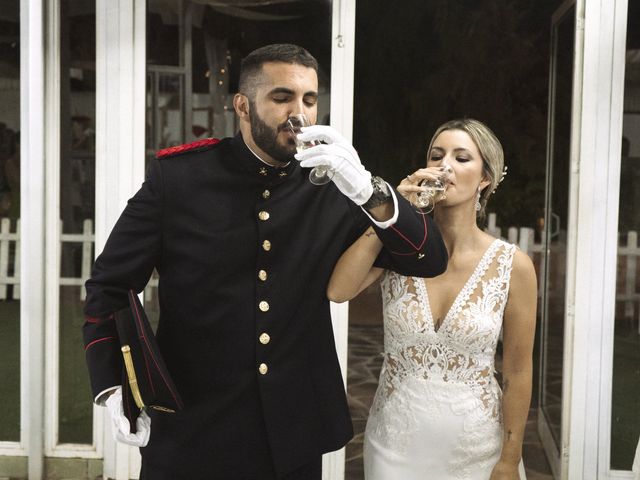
<point x="625" y="381"/>
<point x="554" y="277"/>
<point x="9" y="225"/>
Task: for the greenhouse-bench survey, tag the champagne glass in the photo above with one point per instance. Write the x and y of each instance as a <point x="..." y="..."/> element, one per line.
<point x="435" y="191"/>
<point x="319" y="175"/>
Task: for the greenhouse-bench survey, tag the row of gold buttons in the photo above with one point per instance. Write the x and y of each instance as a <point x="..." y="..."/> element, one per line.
<point x="262" y="275"/>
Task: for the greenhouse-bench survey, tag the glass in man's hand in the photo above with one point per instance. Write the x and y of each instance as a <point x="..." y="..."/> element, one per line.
<point x="319" y="175"/>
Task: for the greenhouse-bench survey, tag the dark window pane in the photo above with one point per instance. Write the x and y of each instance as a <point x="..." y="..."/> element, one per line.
<point x="77" y="210"/>
<point x="9" y="216"/>
<point x="625" y="422"/>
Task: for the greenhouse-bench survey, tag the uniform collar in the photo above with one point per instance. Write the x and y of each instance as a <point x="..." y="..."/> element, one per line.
<point x="259" y="169"/>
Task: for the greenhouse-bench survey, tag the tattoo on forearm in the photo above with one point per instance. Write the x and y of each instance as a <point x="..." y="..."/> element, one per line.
<point x="369" y="233"/>
<point x="509" y="435"/>
<point x="505" y="386"/>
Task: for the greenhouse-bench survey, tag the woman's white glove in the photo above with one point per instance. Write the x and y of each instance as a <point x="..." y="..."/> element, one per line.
<point x="120" y="423"/>
<point x="337" y="154"/>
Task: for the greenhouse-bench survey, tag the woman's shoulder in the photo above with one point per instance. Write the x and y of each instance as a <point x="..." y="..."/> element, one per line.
<point x="521" y="263"/>
<point x="522" y="269"/>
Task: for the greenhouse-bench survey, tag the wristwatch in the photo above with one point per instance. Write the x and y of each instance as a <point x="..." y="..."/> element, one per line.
<point x="380" y="195"/>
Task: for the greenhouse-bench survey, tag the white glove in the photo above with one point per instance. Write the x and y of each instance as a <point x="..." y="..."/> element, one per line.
<point x="337" y="154"/>
<point x="120" y="423"/>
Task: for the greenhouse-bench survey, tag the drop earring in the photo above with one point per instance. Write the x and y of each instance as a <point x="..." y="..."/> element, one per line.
<point x="478" y="206"/>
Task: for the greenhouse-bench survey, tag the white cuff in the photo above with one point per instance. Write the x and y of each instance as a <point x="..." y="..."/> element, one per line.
<point x="102" y="396"/>
<point x="387" y="223"/>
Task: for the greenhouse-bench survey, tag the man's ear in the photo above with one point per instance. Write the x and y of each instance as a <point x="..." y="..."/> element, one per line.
<point x="241" y="105"/>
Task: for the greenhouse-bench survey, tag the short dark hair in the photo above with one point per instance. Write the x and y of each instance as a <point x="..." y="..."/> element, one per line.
<point x="251" y="65"/>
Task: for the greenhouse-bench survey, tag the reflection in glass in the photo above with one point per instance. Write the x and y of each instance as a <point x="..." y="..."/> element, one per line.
<point x="9" y="216"/>
<point x="625" y="422"/>
<point x="77" y="192"/>
<point x="556" y="217"/>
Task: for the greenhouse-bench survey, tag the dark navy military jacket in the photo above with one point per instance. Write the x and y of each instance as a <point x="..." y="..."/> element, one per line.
<point x="244" y="252"/>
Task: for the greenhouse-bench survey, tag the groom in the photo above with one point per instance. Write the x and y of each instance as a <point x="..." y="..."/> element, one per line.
<point x="245" y="246"/>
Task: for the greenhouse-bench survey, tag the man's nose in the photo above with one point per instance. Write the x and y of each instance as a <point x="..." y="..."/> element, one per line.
<point x="301" y="107"/>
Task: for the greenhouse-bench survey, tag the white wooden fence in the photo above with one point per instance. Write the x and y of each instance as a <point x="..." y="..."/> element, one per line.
<point x="10" y="259"/>
<point x="628" y="291"/>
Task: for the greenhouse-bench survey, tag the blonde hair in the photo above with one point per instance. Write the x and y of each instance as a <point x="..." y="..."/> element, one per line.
<point x="490" y="150"/>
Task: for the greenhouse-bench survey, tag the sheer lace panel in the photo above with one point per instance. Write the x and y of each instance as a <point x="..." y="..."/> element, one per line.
<point x="463" y="348"/>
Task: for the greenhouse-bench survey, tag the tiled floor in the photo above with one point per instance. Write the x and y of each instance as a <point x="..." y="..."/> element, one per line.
<point x="365" y="345"/>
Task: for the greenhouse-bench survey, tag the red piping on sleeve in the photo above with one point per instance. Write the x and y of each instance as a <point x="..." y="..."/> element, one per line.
<point x="417" y="248"/>
<point x="104" y="339"/>
<point x="144" y="338"/>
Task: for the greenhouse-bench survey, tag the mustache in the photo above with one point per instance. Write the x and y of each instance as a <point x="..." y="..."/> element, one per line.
<point x="283" y="127"/>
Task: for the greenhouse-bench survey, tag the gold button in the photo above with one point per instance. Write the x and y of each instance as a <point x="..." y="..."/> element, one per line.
<point x="262" y="275"/>
<point x="266" y="245"/>
<point x="264" y="216"/>
<point x="263" y="306"/>
<point x="263" y="369"/>
<point x="266" y="194"/>
<point x="265" y="338"/>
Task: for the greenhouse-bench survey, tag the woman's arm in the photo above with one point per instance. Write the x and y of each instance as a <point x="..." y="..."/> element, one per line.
<point x="518" y="335"/>
<point x="355" y="271"/>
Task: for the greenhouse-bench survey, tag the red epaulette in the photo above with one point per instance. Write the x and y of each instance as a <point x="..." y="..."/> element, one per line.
<point x="198" y="145"/>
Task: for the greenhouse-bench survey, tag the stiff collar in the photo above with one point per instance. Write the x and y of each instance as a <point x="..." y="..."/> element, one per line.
<point x="260" y="170"/>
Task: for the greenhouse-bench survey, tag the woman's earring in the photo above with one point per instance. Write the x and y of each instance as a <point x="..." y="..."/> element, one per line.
<point x="478" y="206"/>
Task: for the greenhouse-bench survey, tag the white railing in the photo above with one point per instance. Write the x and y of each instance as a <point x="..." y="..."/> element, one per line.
<point x="627" y="291"/>
<point x="10" y="259"/>
<point x="6" y="238"/>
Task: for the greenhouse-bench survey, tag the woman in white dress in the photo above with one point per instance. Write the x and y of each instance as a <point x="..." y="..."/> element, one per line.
<point x="439" y="412"/>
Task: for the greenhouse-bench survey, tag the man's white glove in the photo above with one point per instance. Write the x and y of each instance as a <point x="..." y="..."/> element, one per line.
<point x="337" y="154"/>
<point x="120" y="423"/>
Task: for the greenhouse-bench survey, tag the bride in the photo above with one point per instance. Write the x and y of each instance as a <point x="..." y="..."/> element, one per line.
<point x="439" y="412"/>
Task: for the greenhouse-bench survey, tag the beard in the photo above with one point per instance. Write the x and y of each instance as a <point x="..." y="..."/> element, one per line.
<point x="266" y="138"/>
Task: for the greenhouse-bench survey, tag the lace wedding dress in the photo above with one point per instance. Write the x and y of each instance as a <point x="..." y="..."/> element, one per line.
<point x="437" y="411"/>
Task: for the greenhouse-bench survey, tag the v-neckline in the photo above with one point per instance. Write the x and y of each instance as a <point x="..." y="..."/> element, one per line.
<point x="458" y="298"/>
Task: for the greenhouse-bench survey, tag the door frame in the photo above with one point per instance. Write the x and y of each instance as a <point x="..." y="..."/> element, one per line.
<point x="32" y="234"/>
<point x="594" y="188"/>
<point x="343" y="39"/>
<point x="553" y="452"/>
<point x="597" y="105"/>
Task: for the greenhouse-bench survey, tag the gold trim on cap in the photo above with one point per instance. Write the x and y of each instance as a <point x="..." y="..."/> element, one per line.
<point x="131" y="375"/>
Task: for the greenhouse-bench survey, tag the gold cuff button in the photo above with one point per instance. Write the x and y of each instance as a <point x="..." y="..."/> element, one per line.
<point x="263" y="306"/>
<point x="266" y="245"/>
<point x="266" y="194"/>
<point x="265" y="338"/>
<point x="262" y="275"/>
<point x="263" y="369"/>
<point x="264" y="216"/>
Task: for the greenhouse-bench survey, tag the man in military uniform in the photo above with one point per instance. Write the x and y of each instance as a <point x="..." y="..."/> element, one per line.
<point x="245" y="245"/>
